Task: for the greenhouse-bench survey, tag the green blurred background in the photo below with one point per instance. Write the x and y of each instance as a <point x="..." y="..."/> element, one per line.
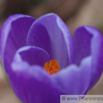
<point x="74" y="13"/>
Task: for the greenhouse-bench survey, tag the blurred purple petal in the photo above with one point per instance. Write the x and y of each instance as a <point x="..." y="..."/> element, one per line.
<point x="97" y="55"/>
<point x="82" y="41"/>
<point x="32" y="55"/>
<point x="33" y="85"/>
<point x="13" y="36"/>
<point x="89" y="41"/>
<point x="51" y="34"/>
<point x="74" y="79"/>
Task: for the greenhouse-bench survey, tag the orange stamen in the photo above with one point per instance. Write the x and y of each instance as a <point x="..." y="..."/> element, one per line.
<point x="52" y="67"/>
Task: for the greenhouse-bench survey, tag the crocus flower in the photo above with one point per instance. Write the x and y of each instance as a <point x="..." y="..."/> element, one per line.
<point x="43" y="60"/>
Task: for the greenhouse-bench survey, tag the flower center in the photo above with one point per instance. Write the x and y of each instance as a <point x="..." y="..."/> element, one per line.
<point x="52" y="67"/>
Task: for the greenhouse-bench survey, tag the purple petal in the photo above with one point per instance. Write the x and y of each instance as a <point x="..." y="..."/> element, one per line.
<point x="33" y="85"/>
<point x="82" y="41"/>
<point x="97" y="54"/>
<point x="13" y="36"/>
<point x="33" y="55"/>
<point x="51" y="34"/>
<point x="89" y="41"/>
<point x="74" y="79"/>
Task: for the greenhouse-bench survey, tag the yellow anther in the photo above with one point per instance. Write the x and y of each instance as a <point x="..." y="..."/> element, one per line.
<point x="52" y="67"/>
